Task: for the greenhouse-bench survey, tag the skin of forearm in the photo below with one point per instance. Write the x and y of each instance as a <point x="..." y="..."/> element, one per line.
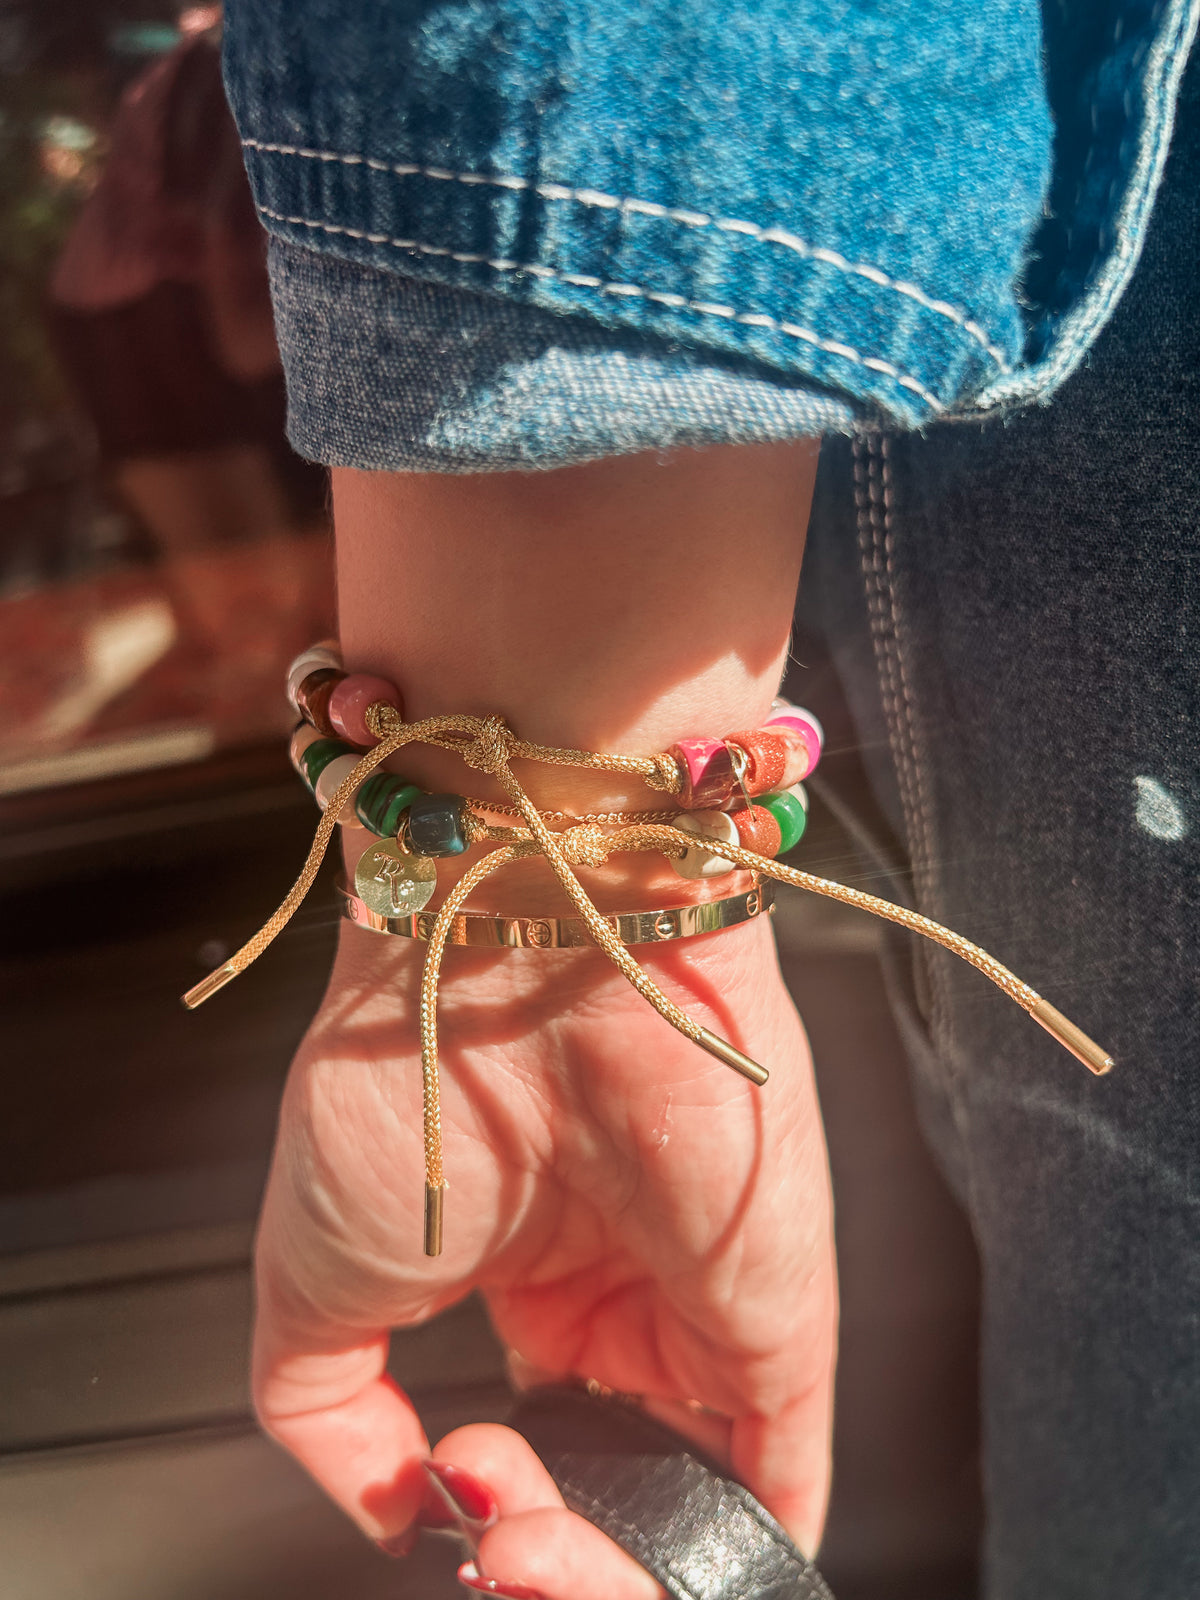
<point x="618" y="606"/>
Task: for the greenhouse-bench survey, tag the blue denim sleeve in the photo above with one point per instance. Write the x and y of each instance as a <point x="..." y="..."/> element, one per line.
<point x="517" y="233"/>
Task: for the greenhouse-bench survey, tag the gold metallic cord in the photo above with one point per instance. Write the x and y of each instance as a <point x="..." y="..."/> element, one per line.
<point x="487" y="744"/>
<point x="430" y="1088"/>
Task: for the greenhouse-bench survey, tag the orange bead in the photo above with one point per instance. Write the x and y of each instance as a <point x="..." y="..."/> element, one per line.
<point x="766" y="756"/>
<point x="757" y="830"/>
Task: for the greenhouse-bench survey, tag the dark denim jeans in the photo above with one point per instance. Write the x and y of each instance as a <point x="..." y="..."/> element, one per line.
<point x="1016" y="613"/>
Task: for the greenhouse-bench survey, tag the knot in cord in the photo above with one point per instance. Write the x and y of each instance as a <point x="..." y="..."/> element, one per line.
<point x="381" y="718"/>
<point x="666" y="776"/>
<point x="491" y="748"/>
<point x="585" y="845"/>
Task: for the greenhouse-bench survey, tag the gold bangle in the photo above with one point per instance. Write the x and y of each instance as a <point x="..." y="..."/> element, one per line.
<point x="480" y="930"/>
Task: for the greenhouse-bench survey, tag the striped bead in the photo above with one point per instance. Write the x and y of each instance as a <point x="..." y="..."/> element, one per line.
<point x="758" y="830"/>
<point x="807" y="737"/>
<point x="317" y="756"/>
<point x="382" y="801"/>
<point x="349" y="701"/>
<point x="781" y="709"/>
<point x="312" y="698"/>
<point x="303" y="735"/>
<point x="316" y="658"/>
<point x="791" y="814"/>
<point x="699" y="861"/>
<point x="766" y="751"/>
<point x="707" y="770"/>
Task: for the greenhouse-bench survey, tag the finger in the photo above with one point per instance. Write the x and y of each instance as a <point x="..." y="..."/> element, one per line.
<point x="561" y="1556"/>
<point x="321" y="1390"/>
<point x="503" y="1461"/>
<point x="786" y="1461"/>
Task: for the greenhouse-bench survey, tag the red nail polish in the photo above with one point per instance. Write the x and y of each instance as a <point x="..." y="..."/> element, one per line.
<point x="471" y="1578"/>
<point x="462" y="1495"/>
<point x="400" y="1544"/>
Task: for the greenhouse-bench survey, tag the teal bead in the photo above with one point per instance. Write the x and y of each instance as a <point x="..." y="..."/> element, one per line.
<point x="436" y="825"/>
<point x="382" y="801"/>
<point x="790" y="815"/>
<point x="318" y="756"/>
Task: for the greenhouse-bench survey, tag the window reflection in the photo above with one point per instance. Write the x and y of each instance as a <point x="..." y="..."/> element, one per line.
<point x="163" y="553"/>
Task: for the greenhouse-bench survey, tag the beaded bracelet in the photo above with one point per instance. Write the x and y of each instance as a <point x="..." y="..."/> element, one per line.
<point x="368" y="711"/>
<point x="717" y="781"/>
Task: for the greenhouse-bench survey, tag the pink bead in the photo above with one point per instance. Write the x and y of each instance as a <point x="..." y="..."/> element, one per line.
<point x="804" y="751"/>
<point x="707" y="769"/>
<point x="786" y="713"/>
<point x="349" y="701"/>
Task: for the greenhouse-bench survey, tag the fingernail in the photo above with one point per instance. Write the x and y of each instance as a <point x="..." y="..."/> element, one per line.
<point x="457" y="1499"/>
<point x="400" y="1544"/>
<point x="471" y="1578"/>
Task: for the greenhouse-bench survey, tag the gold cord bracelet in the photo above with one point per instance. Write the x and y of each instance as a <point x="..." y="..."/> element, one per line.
<point x="489" y="745"/>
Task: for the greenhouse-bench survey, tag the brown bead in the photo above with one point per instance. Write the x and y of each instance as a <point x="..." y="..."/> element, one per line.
<point x="312" y="699"/>
<point x="757" y="830"/>
<point x="766" y="755"/>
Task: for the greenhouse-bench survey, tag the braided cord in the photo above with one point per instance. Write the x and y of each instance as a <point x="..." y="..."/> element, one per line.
<point x="434" y="1176"/>
<point x="489" y="745"/>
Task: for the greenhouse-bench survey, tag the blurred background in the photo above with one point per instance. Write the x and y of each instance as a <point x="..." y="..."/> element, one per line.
<point x="163" y="555"/>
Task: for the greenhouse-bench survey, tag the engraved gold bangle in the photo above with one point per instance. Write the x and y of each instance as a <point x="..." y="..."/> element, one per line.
<point x="481" y="931"/>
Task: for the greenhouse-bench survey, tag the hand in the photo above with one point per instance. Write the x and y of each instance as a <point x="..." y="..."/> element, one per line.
<point x="631" y="1211"/>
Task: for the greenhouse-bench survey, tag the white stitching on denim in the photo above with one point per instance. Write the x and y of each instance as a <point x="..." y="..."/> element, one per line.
<point x="650" y="208"/>
<point x="867" y="506"/>
<point x="872" y="495"/>
<point x="876" y="543"/>
<point x="752" y="319"/>
<point x="924" y="811"/>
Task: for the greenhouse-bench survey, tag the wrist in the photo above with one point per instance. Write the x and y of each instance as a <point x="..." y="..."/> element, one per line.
<point x="618" y="606"/>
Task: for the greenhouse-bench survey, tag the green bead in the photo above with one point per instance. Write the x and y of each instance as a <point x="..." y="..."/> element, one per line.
<point x="366" y="799"/>
<point x="382" y="801"/>
<point x="790" y="815"/>
<point x="397" y="806"/>
<point x="318" y="756"/>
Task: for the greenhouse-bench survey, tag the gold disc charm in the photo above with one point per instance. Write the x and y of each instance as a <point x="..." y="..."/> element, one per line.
<point x="392" y="881"/>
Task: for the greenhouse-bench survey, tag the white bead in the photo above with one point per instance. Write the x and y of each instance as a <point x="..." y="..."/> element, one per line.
<point x="801" y="794"/>
<point x="302" y="737"/>
<point x="315" y="659"/>
<point x="718" y="826"/>
<point x="331" y="780"/>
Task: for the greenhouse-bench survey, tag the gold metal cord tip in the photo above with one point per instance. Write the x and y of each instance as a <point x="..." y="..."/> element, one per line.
<point x="433" y="1219"/>
<point x="1072" y="1038"/>
<point x="207" y="987"/>
<point x="725" y="1052"/>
